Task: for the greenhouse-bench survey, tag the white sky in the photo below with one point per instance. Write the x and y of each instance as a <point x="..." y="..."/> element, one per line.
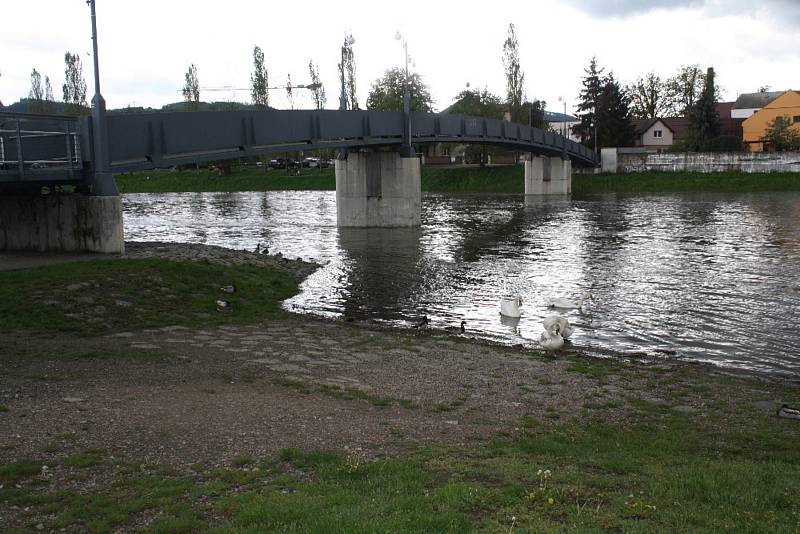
<point x="146" y="46"/>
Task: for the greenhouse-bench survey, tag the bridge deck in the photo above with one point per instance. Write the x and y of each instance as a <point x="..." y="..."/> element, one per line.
<point x="36" y="149"/>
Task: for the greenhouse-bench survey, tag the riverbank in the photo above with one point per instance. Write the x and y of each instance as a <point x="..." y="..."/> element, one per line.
<point x="140" y="406"/>
<point x="472" y="179"/>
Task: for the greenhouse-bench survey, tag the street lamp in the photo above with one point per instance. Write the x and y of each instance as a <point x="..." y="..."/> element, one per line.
<point x="103" y="183"/>
<point x="564" y="126"/>
<point x="406" y="150"/>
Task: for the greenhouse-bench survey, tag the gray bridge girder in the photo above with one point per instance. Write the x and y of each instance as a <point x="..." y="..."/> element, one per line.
<point x="144" y="141"/>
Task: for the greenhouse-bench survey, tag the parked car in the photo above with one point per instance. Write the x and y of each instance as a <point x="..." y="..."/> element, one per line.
<point x="311" y="162"/>
<point x="283" y="163"/>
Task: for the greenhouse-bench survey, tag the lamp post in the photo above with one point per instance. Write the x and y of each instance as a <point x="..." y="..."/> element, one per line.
<point x="103" y="181"/>
<point x="406" y="150"/>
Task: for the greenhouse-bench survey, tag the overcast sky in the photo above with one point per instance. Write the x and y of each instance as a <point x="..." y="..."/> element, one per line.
<point x="146" y="46"/>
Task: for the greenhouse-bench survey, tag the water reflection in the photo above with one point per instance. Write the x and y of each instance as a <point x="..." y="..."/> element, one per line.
<point x="709" y="277"/>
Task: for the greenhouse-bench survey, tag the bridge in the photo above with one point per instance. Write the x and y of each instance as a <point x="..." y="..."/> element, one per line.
<point x="377" y="181"/>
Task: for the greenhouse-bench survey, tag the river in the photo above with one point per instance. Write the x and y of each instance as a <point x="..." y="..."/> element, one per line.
<point x="712" y="277"/>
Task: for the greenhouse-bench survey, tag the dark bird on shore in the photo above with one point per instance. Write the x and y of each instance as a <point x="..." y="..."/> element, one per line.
<point x="463" y="327"/>
<point x="228" y="289"/>
<point x="258" y="248"/>
<point x="223" y="305"/>
<point x="789" y="413"/>
<point x="422" y="322"/>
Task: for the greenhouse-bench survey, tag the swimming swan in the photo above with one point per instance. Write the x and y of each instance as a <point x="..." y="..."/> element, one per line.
<point x="569" y="304"/>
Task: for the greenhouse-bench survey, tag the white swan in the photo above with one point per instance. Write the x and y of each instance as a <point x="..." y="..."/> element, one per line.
<point x="551" y="339"/>
<point x="569" y="304"/>
<point x="564" y="328"/>
<point x="510" y="305"/>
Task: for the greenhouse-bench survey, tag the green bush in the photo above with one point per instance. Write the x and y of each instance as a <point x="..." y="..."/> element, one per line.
<point x="724" y="143"/>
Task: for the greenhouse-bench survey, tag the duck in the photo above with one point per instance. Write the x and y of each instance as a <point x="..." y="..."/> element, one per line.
<point x="551" y="339"/>
<point x="422" y="322"/>
<point x="789" y="413"/>
<point x="569" y="304"/>
<point x="258" y="248"/>
<point x="223" y="305"/>
<point x="228" y="289"/>
<point x="462" y="329"/>
<point x="564" y="328"/>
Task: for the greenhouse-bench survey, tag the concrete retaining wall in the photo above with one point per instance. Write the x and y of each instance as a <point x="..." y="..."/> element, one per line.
<point x="704" y="162"/>
<point x="378" y="189"/>
<point x="66" y="223"/>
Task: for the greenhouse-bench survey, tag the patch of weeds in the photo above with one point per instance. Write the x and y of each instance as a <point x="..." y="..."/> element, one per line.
<point x="407" y="404"/>
<point x="349" y="393"/>
<point x="592" y="367"/>
<point x="248" y="376"/>
<point x="241" y="461"/>
<point x="544" y="381"/>
<point x="529" y="422"/>
<point x="297" y="385"/>
<point x="88" y="458"/>
<point x="441" y="407"/>
<point x="20" y="470"/>
<point x="53" y="447"/>
<point x="3" y="408"/>
<point x="117" y="355"/>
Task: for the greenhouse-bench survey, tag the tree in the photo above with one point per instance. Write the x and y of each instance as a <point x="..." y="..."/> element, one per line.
<point x="476" y="103"/>
<point x="683" y="89"/>
<point x="2" y="107"/>
<point x="49" y="99"/>
<point x="347" y="73"/>
<point x="704" y="122"/>
<point x="74" y="87"/>
<point x="588" y="103"/>
<point x="36" y="94"/>
<point x="318" y="92"/>
<point x="614" y="126"/>
<point x="259" y="80"/>
<point x="535" y="113"/>
<point x="191" y="89"/>
<point x="387" y="92"/>
<point x="515" y="78"/>
<point x="648" y="97"/>
<point x="781" y="136"/>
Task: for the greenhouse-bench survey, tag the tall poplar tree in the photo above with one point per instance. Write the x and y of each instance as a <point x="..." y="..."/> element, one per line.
<point x="515" y="77"/>
<point x="347" y="73"/>
<point x="318" y="92"/>
<point x="191" y="89"/>
<point x="74" y="87"/>
<point x="36" y="94"/>
<point x="259" y="80"/>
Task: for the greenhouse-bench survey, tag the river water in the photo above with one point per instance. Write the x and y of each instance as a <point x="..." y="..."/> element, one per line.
<point x="704" y="277"/>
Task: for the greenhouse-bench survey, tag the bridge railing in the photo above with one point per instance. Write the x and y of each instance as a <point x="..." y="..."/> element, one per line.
<point x="38" y="148"/>
<point x="140" y="141"/>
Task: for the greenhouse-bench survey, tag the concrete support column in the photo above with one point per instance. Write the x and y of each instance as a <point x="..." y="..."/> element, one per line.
<point x="548" y="176"/>
<point x="378" y="189"/>
<point x="62" y="223"/>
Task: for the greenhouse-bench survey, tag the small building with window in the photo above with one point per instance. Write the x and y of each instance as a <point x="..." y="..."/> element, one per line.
<point x="659" y="133"/>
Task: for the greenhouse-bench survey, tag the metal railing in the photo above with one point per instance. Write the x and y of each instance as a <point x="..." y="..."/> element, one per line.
<point x="35" y="147"/>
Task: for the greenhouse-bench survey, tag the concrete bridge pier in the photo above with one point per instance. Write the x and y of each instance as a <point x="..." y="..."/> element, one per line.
<point x="378" y="189"/>
<point x="61" y="223"/>
<point x="548" y="176"/>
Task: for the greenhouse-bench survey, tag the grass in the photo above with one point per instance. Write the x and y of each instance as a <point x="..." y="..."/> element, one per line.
<point x="343" y="393"/>
<point x="496" y="179"/>
<point x="243" y="179"/>
<point x="82" y="297"/>
<point x="657" y="471"/>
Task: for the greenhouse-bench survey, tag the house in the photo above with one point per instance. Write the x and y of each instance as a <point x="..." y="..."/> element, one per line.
<point x="787" y="104"/>
<point x="558" y="122"/>
<point x="661" y="133"/>
<point x="749" y="103"/>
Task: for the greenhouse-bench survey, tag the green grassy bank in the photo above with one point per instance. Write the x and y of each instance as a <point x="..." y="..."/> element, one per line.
<point x="654" y="470"/>
<point x="100" y="296"/>
<point x="500" y="179"/>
